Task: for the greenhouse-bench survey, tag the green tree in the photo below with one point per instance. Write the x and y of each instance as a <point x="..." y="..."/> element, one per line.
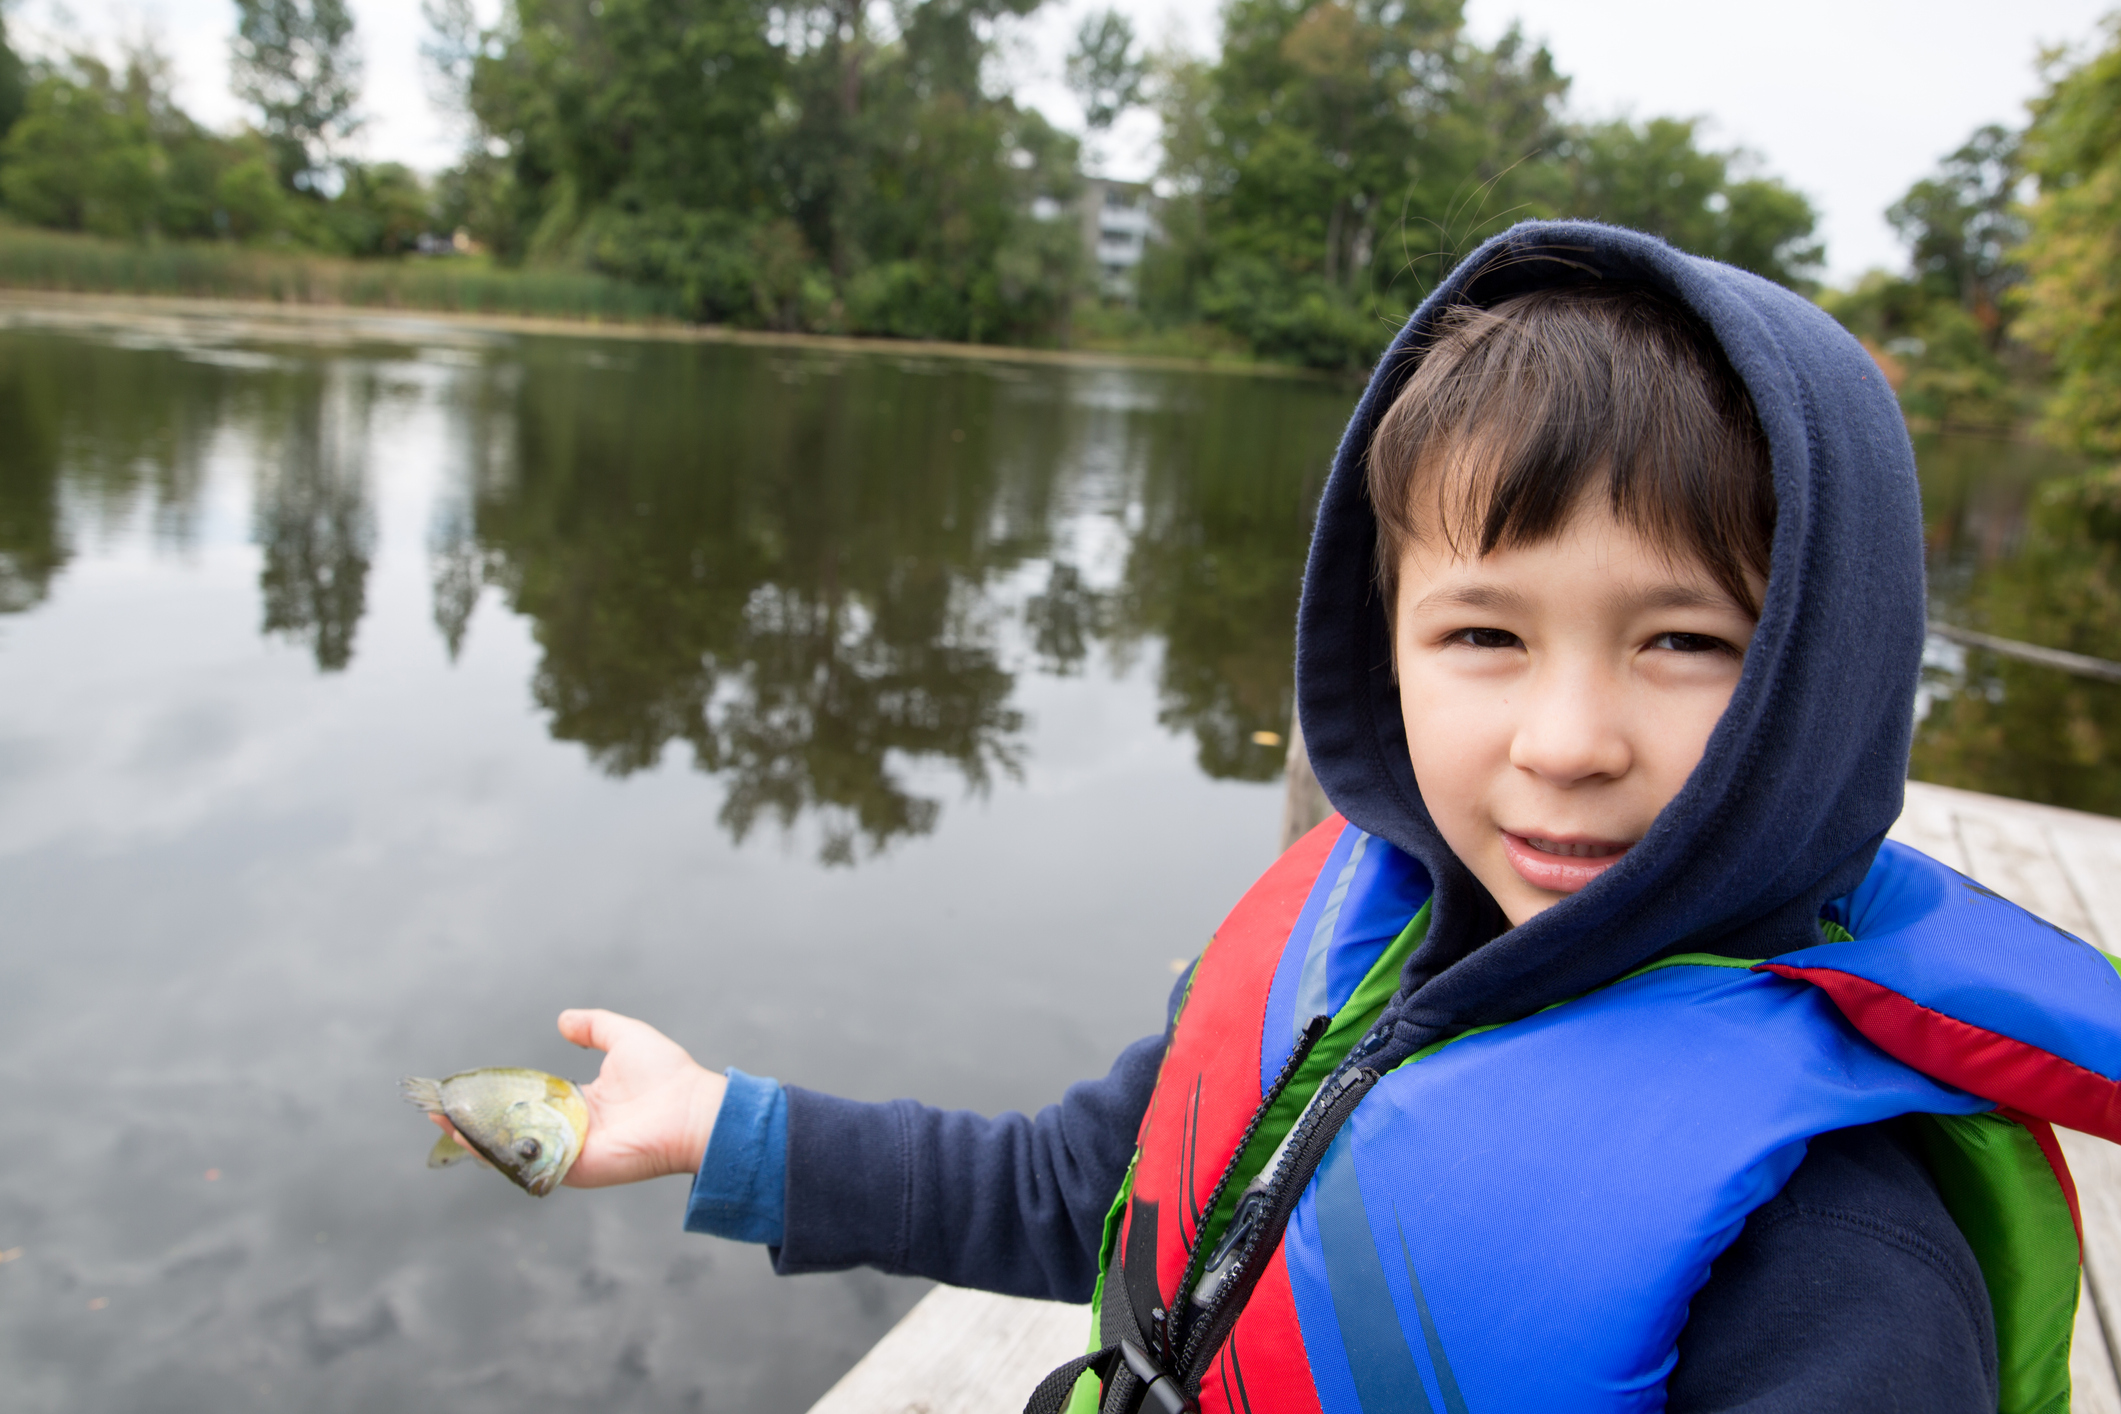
<point x="632" y="135"/>
<point x="383" y="209"/>
<point x="1963" y="225"/>
<point x="14" y="82"/>
<point x="83" y="156"/>
<point x="1657" y="177"/>
<point x="2072" y="252"/>
<point x="1334" y="159"/>
<point x="816" y="179"/>
<point x="1944" y="325"/>
<point x="295" y="61"/>
<point x="1104" y="70"/>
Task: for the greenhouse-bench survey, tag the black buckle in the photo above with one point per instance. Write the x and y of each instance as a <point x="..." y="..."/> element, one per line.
<point x="1160" y="1392"/>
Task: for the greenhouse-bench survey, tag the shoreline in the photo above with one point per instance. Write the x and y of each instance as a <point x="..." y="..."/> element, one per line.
<point x="90" y="308"/>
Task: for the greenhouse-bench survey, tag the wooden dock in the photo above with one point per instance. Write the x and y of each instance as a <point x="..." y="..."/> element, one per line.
<point x="966" y="1352"/>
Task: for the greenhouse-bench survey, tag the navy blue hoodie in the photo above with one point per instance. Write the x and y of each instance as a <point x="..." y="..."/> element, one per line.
<point x="1852" y="1289"/>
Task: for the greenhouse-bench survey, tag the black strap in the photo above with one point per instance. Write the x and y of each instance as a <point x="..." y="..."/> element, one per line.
<point x="1051" y="1396"/>
<point x="1131" y="1378"/>
<point x="1134" y="1381"/>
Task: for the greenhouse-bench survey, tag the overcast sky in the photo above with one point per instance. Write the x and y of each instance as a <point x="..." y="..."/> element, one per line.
<point x="1847" y="100"/>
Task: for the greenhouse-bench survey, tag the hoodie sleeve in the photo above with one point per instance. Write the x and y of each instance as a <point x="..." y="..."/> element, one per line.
<point x="1010" y="1204"/>
<point x="1852" y="1290"/>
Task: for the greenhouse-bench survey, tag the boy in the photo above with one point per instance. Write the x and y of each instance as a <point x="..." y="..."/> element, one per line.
<point x="1599" y="1058"/>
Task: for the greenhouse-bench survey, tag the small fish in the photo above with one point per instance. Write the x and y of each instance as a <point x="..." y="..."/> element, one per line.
<point x="527" y="1124"/>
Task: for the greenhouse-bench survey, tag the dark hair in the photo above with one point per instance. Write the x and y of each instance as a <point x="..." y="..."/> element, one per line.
<point x="1517" y="412"/>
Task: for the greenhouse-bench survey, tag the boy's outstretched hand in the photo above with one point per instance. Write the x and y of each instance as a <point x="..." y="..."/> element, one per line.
<point x="651" y="1107"/>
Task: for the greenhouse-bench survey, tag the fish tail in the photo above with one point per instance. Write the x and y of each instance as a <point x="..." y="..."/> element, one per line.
<point x="427" y="1094"/>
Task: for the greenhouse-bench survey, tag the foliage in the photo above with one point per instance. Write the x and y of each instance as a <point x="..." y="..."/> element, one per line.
<point x="2072" y="252"/>
<point x="295" y="62"/>
<point x="14" y="81"/>
<point x="1656" y="177"/>
<point x="1961" y="225"/>
<point x="823" y="179"/>
<point x="1340" y="155"/>
<point x="84" y="155"/>
<point x="1942" y="331"/>
<point x="1103" y="68"/>
<point x="107" y="150"/>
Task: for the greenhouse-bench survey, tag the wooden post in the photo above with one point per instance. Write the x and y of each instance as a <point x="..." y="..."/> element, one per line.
<point x="1304" y="804"/>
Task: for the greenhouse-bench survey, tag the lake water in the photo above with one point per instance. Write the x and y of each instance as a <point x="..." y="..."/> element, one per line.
<point x="369" y="693"/>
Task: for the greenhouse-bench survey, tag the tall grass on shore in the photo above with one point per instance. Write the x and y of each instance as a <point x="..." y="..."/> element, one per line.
<point x="53" y="260"/>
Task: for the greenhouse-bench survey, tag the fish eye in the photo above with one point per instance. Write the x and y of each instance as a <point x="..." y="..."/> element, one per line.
<point x="528" y="1149"/>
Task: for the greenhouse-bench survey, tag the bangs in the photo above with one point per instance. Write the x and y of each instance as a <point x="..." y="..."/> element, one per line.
<point x="1517" y="413"/>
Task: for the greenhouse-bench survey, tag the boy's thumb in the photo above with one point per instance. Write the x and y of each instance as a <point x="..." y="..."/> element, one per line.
<point x="589" y="1027"/>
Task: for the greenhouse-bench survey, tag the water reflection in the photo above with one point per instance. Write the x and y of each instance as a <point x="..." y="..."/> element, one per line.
<point x="312" y="513"/>
<point x="2030" y="554"/>
<point x="780" y="567"/>
<point x="104" y="429"/>
<point x="819" y="576"/>
<point x="822" y="577"/>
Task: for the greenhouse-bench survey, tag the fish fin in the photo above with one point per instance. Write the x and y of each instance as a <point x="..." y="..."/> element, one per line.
<point x="446" y="1152"/>
<point x="427" y="1094"/>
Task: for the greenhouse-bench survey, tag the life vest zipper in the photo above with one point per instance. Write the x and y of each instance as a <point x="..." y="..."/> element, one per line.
<point x="1304" y="1150"/>
<point x="1163" y="1333"/>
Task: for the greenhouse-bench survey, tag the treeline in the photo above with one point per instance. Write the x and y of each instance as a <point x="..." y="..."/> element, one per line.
<point x="2011" y="305"/>
<point x="102" y="147"/>
<point x="825" y="167"/>
<point x="850" y="168"/>
<point x="846" y="167"/>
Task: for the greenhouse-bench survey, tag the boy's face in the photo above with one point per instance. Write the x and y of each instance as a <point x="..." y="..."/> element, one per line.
<point x="1557" y="695"/>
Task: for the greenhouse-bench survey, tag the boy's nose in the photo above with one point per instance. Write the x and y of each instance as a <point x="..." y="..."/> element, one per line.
<point x="1572" y="728"/>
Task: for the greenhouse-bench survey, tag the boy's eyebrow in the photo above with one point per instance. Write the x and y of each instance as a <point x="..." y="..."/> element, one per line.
<point x="1679" y="595"/>
<point x="1496" y="597"/>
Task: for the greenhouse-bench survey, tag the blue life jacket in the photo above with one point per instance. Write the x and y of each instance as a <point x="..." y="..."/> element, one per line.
<point x="1516" y="1218"/>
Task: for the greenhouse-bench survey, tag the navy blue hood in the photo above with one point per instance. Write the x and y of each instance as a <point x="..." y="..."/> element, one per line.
<point x="1805" y="771"/>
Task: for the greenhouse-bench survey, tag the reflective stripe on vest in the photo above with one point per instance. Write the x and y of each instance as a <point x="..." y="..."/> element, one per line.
<point x="1517" y="1218"/>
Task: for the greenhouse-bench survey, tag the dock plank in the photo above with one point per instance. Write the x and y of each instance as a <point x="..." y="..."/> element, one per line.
<point x="961" y="1352"/>
<point x="2093" y="1387"/>
<point x="1926" y="823"/>
<point x="2011" y="854"/>
<point x="2092" y="859"/>
<point x="2096" y="1165"/>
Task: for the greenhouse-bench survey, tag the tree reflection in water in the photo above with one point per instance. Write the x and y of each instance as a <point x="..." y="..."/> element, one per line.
<point x="822" y="575"/>
<point x="793" y="564"/>
<point x="312" y="508"/>
<point x="86" y="432"/>
<point x="782" y="566"/>
<point x="2041" y="566"/>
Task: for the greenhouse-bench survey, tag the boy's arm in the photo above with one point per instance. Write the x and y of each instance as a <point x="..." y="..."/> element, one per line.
<point x="1010" y="1204"/>
<point x="1852" y="1290"/>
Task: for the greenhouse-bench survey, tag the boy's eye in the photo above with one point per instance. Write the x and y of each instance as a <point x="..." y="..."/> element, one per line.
<point x="1691" y="643"/>
<point x="1487" y="638"/>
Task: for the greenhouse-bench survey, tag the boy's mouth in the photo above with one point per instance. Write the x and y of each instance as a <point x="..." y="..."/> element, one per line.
<point x="1561" y="865"/>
